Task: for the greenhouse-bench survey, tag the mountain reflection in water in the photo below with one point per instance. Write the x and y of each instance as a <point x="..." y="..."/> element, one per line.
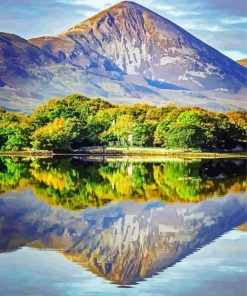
<point x="123" y="241"/>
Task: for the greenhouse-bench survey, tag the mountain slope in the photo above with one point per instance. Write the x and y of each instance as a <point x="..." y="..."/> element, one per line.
<point x="68" y="50"/>
<point x="30" y="75"/>
<point x="17" y="56"/>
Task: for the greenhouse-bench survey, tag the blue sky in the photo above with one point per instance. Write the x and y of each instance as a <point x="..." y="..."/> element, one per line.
<point x="220" y="23"/>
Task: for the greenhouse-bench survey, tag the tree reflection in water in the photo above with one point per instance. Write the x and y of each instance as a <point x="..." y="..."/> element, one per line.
<point x="76" y="184"/>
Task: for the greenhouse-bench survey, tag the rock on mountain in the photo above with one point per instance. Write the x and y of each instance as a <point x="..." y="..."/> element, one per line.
<point x="125" y="51"/>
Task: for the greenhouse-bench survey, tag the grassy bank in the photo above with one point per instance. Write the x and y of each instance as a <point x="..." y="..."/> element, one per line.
<point x="40" y="153"/>
<point x="156" y="152"/>
<point x="138" y="153"/>
<point x="172" y="153"/>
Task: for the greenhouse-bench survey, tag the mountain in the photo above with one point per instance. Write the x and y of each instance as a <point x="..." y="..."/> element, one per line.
<point x="243" y="62"/>
<point x="141" y="42"/>
<point x="125" y="51"/>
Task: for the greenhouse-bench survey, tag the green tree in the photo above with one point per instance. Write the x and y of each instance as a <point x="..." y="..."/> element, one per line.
<point x="121" y="129"/>
<point x="14" y="136"/>
<point x="228" y="134"/>
<point x="185" y="136"/>
<point x="58" y="134"/>
<point x="143" y="133"/>
<point x="195" y="117"/>
<point x="163" y="127"/>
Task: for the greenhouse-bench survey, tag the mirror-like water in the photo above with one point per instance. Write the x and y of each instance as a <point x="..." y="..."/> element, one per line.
<point x="77" y="227"/>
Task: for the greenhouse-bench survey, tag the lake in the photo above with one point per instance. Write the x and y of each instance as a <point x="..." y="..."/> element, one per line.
<point x="96" y="226"/>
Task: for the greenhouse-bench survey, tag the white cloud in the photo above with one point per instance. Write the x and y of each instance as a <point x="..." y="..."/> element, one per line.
<point x="235" y="54"/>
<point x="94" y="3"/>
<point x="234" y="21"/>
<point x="199" y="26"/>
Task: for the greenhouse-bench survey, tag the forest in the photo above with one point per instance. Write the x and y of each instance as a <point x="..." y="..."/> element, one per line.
<point x="66" y="124"/>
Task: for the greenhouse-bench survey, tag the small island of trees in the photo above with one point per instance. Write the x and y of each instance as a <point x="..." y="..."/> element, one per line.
<point x="67" y="124"/>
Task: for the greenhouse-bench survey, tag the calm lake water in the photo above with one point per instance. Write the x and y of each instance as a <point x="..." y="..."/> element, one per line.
<point x="74" y="226"/>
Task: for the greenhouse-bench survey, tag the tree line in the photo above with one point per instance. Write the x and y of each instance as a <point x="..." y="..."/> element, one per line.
<point x="76" y="121"/>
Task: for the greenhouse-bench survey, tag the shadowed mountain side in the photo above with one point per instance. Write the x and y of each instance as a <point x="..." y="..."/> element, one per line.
<point x="124" y="242"/>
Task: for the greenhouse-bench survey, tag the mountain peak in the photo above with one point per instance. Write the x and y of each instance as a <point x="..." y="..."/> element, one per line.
<point x="114" y="10"/>
<point x="128" y="4"/>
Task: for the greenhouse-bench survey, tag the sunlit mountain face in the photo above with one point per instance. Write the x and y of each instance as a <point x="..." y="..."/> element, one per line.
<point x="125" y="51"/>
<point x="163" y="212"/>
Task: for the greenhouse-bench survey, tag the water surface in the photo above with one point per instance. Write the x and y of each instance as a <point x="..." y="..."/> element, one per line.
<point x="77" y="227"/>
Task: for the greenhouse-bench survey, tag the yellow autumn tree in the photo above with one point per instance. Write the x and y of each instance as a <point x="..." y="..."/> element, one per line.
<point x="58" y="134"/>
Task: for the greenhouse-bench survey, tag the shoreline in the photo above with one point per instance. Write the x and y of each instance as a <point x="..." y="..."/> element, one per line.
<point x="27" y="153"/>
<point x="125" y="152"/>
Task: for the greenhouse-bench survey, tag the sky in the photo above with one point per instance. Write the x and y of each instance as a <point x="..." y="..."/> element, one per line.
<point x="220" y="23"/>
